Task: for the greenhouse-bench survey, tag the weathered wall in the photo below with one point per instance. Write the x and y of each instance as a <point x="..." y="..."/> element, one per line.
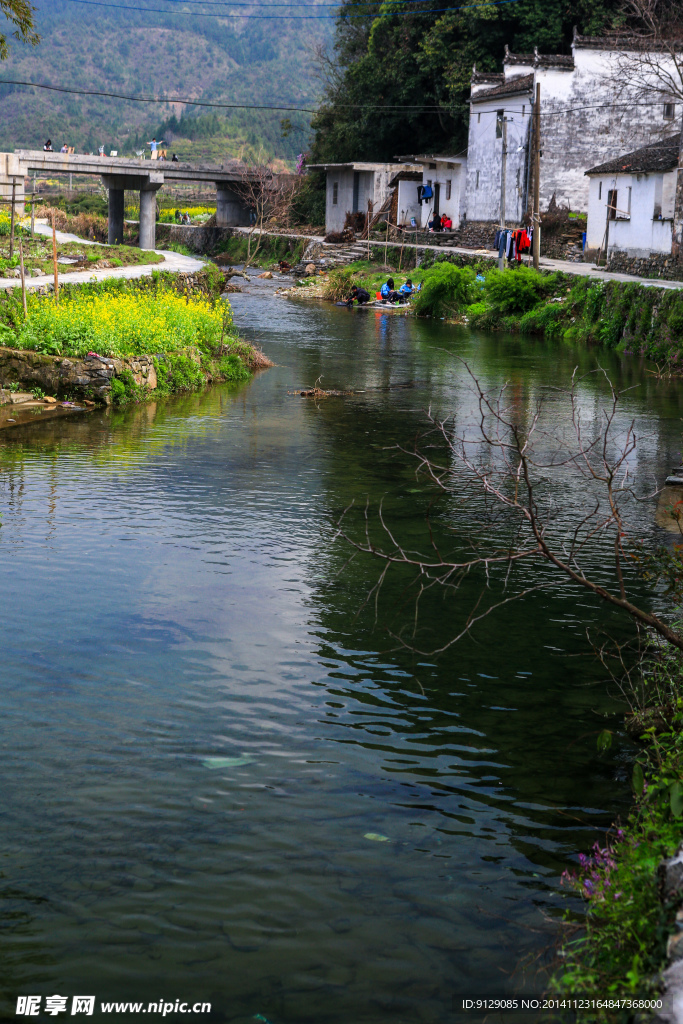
<point x="585" y="121"/>
<point x="640" y="232"/>
<point x="485" y="159"/>
<point x="661" y="265"/>
<point x="58" y="375"/>
<point x="198" y="238"/>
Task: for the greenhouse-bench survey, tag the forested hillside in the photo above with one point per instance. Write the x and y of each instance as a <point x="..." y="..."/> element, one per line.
<point x="386" y="70"/>
<point x="126" y="49"/>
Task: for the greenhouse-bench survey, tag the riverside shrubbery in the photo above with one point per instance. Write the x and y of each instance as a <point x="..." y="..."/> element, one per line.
<point x="446" y="290"/>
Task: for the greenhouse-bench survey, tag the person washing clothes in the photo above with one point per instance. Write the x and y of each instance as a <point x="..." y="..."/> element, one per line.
<point x="359" y="294"/>
<point x="406" y="290"/>
<point x="388" y="292"/>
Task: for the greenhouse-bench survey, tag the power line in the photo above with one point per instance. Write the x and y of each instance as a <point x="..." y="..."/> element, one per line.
<point x="306" y="17"/>
<point x="153" y="99"/>
<point x="428" y="107"/>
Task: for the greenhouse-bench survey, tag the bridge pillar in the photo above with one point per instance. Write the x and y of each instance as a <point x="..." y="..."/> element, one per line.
<point x="231" y="207"/>
<point x="116" y="204"/>
<point x="148" y="217"/>
<point x="12" y="172"/>
<point x="148" y="185"/>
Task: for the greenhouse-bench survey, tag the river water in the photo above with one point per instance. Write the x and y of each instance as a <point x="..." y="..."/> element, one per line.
<point x="223" y="781"/>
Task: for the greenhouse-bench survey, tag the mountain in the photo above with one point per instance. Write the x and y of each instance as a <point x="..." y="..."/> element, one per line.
<point x="117" y="46"/>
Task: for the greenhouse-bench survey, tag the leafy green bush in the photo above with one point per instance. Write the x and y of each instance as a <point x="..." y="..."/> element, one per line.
<point x="517" y="291"/>
<point x="231" y="368"/>
<point x="446" y="290"/>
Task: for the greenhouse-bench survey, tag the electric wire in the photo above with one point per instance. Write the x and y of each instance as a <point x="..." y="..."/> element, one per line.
<point x="298" y="17"/>
<point x="428" y="107"/>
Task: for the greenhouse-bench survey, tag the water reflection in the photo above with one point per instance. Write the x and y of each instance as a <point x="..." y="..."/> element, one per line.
<point x="171" y="597"/>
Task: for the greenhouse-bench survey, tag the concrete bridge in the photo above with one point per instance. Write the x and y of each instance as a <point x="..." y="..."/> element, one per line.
<point x="143" y="176"/>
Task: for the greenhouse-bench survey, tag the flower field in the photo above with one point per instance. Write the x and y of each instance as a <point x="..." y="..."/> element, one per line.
<point x="127" y="323"/>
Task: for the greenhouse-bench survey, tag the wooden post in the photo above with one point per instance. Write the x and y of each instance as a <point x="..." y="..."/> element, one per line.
<point x="23" y="277"/>
<point x="33" y="214"/>
<point x="536" y="221"/>
<point x="11" y="220"/>
<point x="386" y="242"/>
<point x="54" y="256"/>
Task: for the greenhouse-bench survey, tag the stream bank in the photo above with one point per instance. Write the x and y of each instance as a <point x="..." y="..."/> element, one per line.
<point x="155" y="336"/>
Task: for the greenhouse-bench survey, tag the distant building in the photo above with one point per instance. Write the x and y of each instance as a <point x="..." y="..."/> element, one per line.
<point x="631" y="201"/>
<point x="445" y="177"/>
<point x="586" y="116"/>
<point x="351" y="185"/>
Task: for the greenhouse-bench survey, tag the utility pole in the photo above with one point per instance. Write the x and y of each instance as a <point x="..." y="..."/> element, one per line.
<point x="503" y="182"/>
<point x="677" y="232"/>
<point x="536" y="218"/>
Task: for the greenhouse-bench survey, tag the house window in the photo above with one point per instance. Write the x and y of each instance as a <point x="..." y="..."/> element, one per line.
<point x="669" y="111"/>
<point x="448" y="188"/>
<point x="500" y="114"/>
<point x="335" y="192"/>
<point x="432" y="167"/>
<point x="478" y="118"/>
<point x="523" y="109"/>
<point x="600" y="190"/>
<point x="628" y="201"/>
<point x="612" y="204"/>
<point x="477" y="185"/>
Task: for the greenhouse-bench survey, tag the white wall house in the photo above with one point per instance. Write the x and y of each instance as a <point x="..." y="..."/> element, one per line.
<point x="631" y="201"/>
<point x="585" y="116"/>
<point x="447" y="177"/>
<point x="351" y="185"/>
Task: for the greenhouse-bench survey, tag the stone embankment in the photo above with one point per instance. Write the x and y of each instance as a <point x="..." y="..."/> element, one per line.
<point x="83" y="378"/>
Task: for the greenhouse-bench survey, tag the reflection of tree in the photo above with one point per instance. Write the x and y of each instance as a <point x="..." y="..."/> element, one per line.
<point x="504" y="726"/>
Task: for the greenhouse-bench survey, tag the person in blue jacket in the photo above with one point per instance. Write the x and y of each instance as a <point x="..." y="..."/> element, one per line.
<point x="388" y="292"/>
<point x="406" y="290"/>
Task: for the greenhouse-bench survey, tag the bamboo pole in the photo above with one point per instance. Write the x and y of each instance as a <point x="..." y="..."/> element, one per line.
<point x="23" y="278"/>
<point x="386" y="242"/>
<point x="33" y="217"/>
<point x="11" y="224"/>
<point x="54" y="256"/>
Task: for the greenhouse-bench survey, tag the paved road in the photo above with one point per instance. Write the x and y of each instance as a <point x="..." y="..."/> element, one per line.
<point x="579" y="269"/>
<point x="173" y="263"/>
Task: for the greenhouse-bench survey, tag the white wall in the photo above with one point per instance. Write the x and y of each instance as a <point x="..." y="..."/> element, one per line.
<point x="485" y="159"/>
<point x="638" y="234"/>
<point x="407" y="203"/>
<point x="373" y="184"/>
<point x="584" y="122"/>
<point x="454" y="171"/>
<point x="335" y="213"/>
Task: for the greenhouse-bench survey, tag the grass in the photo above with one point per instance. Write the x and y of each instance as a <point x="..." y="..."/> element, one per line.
<point x="38" y="255"/>
<point x="272" y="249"/>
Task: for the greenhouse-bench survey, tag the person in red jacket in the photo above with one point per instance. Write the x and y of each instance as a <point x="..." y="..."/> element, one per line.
<point x="446" y="222"/>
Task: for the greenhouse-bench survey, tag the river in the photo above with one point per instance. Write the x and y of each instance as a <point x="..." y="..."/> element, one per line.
<point x="222" y="779"/>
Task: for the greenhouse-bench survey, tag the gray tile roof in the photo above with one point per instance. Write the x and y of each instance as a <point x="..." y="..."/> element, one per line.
<point x="659" y="156"/>
<point x="522" y="83"/>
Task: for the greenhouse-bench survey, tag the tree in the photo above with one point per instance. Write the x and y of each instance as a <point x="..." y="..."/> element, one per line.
<point x="399" y="78"/>
<point x="652" y="56"/>
<point x="18" y="13"/>
<point x="530" y="471"/>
